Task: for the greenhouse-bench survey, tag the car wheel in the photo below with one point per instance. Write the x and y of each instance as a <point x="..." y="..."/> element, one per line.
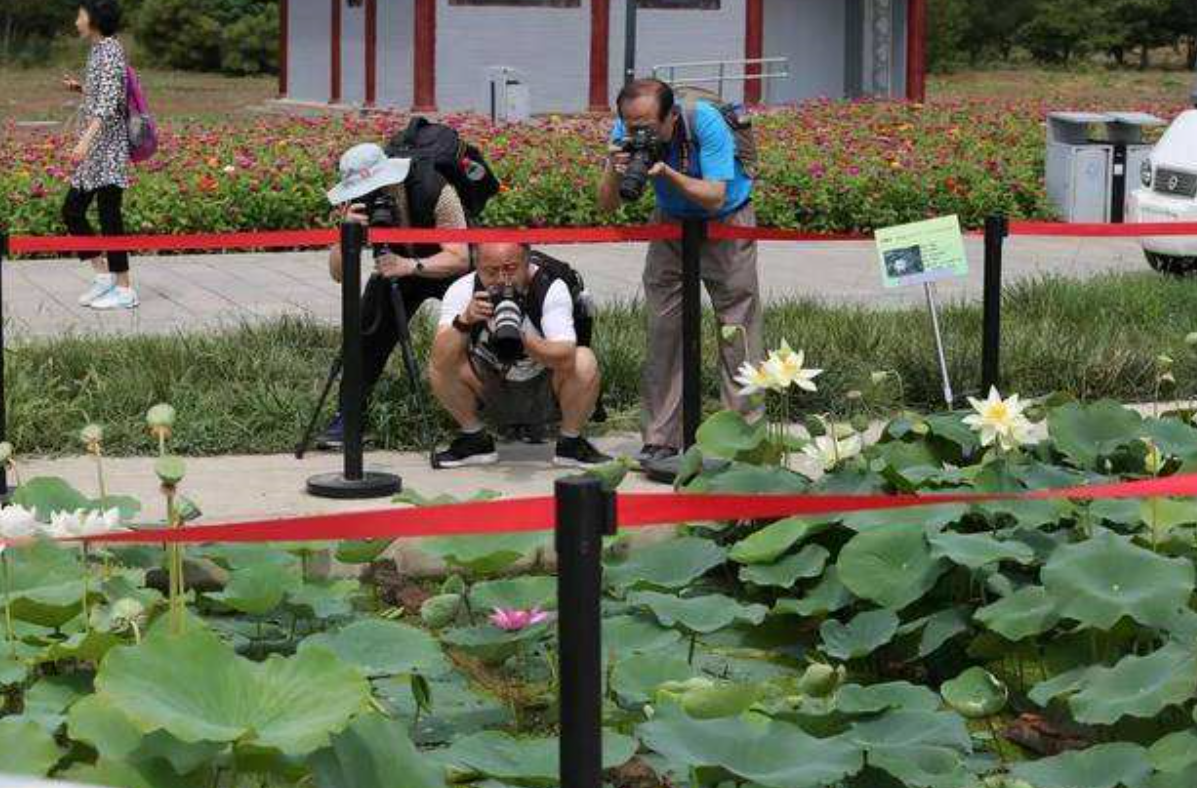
<point x="1172" y="265"/>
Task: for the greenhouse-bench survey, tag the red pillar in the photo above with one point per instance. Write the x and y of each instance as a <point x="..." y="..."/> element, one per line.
<point x="424" y="43"/>
<point x="754" y="48"/>
<point x="916" y="51"/>
<point x="600" y="50"/>
<point x="284" y="33"/>
<point x="371" y="23"/>
<point x="334" y="69"/>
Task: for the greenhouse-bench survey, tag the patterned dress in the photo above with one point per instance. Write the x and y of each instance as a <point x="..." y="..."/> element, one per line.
<point x="107" y="164"/>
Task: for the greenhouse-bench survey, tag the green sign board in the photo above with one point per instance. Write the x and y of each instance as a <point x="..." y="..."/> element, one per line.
<point x="923" y="252"/>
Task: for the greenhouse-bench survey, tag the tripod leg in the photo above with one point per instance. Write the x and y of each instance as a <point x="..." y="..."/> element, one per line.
<point x="412" y="368"/>
<point x="333" y="372"/>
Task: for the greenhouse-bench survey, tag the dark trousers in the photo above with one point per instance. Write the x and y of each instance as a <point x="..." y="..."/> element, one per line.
<point x="380" y="332"/>
<point x="74" y="213"/>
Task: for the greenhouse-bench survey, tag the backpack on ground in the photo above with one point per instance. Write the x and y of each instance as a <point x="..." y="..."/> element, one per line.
<point x="142" y="129"/>
<point x="455" y="160"/>
<point x="735" y="116"/>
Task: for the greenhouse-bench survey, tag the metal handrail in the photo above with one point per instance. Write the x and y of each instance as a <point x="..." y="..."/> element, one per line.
<point x="764" y="74"/>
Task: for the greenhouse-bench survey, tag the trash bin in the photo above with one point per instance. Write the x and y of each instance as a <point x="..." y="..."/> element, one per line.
<point x="510" y="98"/>
<point x="1090" y="156"/>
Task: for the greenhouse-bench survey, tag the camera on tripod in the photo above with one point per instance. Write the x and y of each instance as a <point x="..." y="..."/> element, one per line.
<point x="645" y="149"/>
<point x="381" y="211"/>
<point x="506" y="333"/>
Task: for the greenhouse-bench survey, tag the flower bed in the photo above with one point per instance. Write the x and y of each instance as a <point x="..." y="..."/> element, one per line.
<point x="831" y="166"/>
<point x="1047" y="644"/>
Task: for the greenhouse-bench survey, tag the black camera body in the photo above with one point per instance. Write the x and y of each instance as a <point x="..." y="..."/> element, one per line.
<point x="506" y="334"/>
<point x="645" y="149"/>
<point x="381" y="211"/>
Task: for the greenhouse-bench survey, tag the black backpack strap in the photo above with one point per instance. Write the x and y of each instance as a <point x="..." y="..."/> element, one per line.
<point x="549" y="270"/>
<point x="423" y="186"/>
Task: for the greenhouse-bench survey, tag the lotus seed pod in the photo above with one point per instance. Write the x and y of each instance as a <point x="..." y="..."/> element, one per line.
<point x="819" y="680"/>
<point x="453" y="585"/>
<point x="127" y="609"/>
<point x="6" y="452"/>
<point x="160" y="417"/>
<point x="92" y="434"/>
<point x="440" y="611"/>
<point x="170" y="470"/>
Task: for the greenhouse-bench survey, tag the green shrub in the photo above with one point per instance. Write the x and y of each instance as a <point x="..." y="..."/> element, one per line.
<point x="232" y="36"/>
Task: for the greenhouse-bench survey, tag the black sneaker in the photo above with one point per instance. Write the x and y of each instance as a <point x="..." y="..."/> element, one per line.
<point x="333" y="437"/>
<point x="578" y="453"/>
<point x="651" y="452"/>
<point x="476" y="448"/>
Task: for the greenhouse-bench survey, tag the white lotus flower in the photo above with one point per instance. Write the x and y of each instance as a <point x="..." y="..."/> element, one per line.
<point x="829" y="452"/>
<point x="755" y="379"/>
<point x="100" y="523"/>
<point x="17" y="522"/>
<point x="786" y="366"/>
<point x="66" y="525"/>
<point x="1000" y="421"/>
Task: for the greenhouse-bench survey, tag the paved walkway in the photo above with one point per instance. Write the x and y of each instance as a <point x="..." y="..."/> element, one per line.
<point x="194" y="292"/>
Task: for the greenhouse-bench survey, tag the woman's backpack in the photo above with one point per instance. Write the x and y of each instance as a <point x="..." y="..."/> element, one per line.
<point x="142" y="130"/>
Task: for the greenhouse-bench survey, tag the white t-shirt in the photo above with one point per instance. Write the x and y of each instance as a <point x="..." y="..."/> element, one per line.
<point x="557" y="317"/>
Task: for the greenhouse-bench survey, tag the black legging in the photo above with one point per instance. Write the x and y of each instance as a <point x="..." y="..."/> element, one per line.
<point x="74" y="213"/>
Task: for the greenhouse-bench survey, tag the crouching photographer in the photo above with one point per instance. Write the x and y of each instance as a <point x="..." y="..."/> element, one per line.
<point x="395" y="192"/>
<point x="509" y="349"/>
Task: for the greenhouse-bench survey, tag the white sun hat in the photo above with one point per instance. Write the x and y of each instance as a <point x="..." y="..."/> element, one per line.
<point x="365" y="168"/>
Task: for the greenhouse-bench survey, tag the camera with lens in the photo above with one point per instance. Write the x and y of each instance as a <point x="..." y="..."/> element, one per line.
<point x="645" y="149"/>
<point x="506" y="332"/>
<point x="381" y="211"/>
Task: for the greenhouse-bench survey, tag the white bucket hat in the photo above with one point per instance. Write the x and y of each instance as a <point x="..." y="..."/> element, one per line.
<point x="365" y="168"/>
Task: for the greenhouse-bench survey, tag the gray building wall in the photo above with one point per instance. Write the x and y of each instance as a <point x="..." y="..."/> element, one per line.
<point x="308" y="50"/>
<point x="353" y="54"/>
<point x="395" y="53"/>
<point x="811" y="33"/>
<point x="550" y="47"/>
<point x="677" y="36"/>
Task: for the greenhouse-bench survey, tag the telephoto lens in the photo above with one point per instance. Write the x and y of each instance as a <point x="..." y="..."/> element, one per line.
<point x="644" y="150"/>
<point x="506" y="335"/>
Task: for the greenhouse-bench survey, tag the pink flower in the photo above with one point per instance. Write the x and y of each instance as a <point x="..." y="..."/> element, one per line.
<point x="513" y="620"/>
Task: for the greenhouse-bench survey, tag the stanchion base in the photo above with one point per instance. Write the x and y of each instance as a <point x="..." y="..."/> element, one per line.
<point x="371" y="485"/>
<point x="665" y="471"/>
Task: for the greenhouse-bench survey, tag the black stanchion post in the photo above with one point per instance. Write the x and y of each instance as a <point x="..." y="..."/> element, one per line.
<point x="585" y="514"/>
<point x="353" y="481"/>
<point x="694" y="235"/>
<point x="4" y="491"/>
<point x="996" y="230"/>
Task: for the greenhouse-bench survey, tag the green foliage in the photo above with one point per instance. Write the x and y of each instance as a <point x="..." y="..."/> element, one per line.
<point x="232" y="36"/>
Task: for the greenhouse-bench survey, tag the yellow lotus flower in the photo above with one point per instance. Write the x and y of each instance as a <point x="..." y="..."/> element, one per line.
<point x="786" y="366"/>
<point x="755" y="379"/>
<point x="1000" y="421"/>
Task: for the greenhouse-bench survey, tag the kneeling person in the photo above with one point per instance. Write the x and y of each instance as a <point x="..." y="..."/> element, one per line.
<point x="507" y="346"/>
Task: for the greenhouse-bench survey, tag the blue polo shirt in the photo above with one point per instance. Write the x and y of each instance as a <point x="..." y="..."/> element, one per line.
<point x="716" y="161"/>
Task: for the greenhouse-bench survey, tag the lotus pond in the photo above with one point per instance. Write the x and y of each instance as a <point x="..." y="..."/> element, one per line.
<point x="1050" y="644"/>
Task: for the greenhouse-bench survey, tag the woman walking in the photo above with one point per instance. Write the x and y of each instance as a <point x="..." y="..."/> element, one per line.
<point x="101" y="155"/>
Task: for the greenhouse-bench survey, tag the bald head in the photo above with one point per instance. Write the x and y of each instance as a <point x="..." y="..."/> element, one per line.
<point x="503" y="263"/>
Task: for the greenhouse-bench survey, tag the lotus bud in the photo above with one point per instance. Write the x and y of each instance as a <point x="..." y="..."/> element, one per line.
<point x="127" y="609"/>
<point x="819" y="680"/>
<point x="92" y="435"/>
<point x="6" y="452"/>
<point x="170" y="470"/>
<point x="877" y="378"/>
<point x="1155" y="460"/>
<point x="854" y="395"/>
<point x="160" y="417"/>
<point x="1191" y="339"/>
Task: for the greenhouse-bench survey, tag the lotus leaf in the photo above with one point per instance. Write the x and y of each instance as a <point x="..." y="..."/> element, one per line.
<point x="521" y="593"/>
<point x="530" y="761"/>
<point x="383" y="648"/>
<point x="861" y="636"/>
<point x="789" y="570"/>
<point x="361" y="551"/>
<point x="257" y="589"/>
<point x="938" y="628"/>
<point x="892" y="567"/>
<point x="1087" y="433"/>
<point x="45" y="584"/>
<point x="977" y="550"/>
<point x="456" y="710"/>
<point x="727" y="434"/>
<point x="483" y="555"/>
<point x="828" y="596"/>
<point x="12" y="671"/>
<point x="119" y="774"/>
<point x="1105" y="578"/>
<point x="976" y="693"/>
<point x="95" y="721"/>
<point x="774" y="540"/>
<point x="702" y="614"/>
<point x="1065" y="683"/>
<point x="373" y="752"/>
<point x="1028" y="611"/>
<point x="46" y="495"/>
<point x="929" y="519"/>
<point x="626" y="635"/>
<point x="671" y="564"/>
<point x="636" y="678"/>
<point x="196" y="688"/>
<point x="743" y="479"/>
<point x="26" y="748"/>
<point x="324" y="599"/>
<point x="489" y="643"/>
<point x="1174" y="753"/>
<point x="1102" y="766"/>
<point x="769" y="753"/>
<point x="874" y="698"/>
<point x="1137" y="686"/>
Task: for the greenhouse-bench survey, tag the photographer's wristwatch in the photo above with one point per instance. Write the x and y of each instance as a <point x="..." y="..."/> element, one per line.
<point x="461" y="325"/>
<point x="419" y="266"/>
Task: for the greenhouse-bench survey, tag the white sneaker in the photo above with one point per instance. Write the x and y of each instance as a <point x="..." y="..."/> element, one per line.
<point x="100" y="286"/>
<point x="116" y="298"/>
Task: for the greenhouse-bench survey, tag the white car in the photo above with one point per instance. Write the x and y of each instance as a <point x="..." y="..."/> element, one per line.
<point x="1169" y="194"/>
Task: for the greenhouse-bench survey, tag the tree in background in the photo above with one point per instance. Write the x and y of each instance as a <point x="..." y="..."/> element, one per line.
<point x="231" y="36"/>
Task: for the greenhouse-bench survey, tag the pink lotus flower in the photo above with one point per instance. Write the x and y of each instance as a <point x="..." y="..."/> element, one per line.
<point x="513" y="620"/>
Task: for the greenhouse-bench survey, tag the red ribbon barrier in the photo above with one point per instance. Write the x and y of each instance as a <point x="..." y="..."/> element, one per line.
<point x="273" y="239"/>
<point x="534" y="235"/>
<point x="523" y="515"/>
<point x="727" y="232"/>
<point x="1053" y="229"/>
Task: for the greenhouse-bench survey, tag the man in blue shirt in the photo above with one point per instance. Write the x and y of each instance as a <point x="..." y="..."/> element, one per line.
<point x="698" y="176"/>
